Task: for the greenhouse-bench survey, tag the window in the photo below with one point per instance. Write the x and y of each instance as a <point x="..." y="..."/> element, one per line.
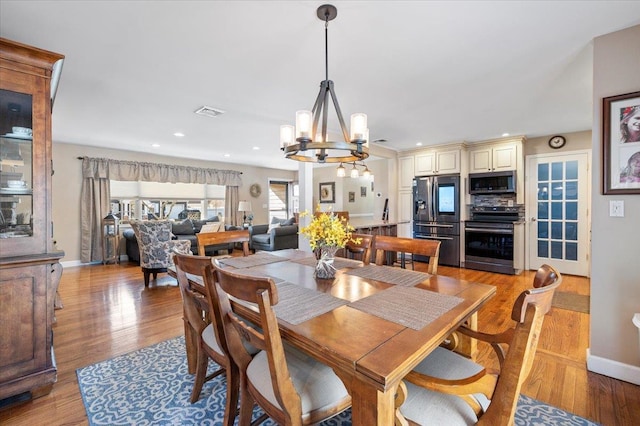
<point x="155" y="200"/>
<point x="280" y="200"/>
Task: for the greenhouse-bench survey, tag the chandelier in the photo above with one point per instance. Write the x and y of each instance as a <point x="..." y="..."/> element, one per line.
<point x="310" y="135"/>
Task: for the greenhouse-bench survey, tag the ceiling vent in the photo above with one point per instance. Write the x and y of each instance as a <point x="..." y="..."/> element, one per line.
<point x="209" y="111"/>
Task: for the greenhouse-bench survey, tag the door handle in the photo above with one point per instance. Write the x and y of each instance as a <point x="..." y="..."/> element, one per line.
<point x="533" y="219"/>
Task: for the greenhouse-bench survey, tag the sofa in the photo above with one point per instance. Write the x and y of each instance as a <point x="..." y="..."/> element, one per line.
<point x="278" y="235"/>
<point x="181" y="230"/>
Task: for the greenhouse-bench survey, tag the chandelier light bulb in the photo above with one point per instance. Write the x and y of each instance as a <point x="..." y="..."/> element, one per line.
<point x="341" y="172"/>
<point x="354" y="172"/>
<point x="304" y="121"/>
<point x="358" y="126"/>
<point x="366" y="173"/>
<point x="287" y="135"/>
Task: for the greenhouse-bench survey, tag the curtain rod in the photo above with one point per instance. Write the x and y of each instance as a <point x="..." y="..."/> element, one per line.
<point x="82" y="158"/>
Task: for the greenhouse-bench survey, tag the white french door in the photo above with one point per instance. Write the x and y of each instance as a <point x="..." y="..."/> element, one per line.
<point x="558" y="193"/>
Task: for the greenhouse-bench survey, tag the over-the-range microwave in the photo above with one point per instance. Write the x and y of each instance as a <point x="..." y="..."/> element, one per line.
<point x="493" y="182"/>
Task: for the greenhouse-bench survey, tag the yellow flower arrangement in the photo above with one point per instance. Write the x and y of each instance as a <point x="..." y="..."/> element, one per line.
<point x="327" y="230"/>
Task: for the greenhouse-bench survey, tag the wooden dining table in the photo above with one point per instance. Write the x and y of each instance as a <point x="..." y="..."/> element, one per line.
<point x="369" y="353"/>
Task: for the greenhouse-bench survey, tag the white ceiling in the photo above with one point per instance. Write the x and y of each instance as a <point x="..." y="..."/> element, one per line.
<point x="423" y="71"/>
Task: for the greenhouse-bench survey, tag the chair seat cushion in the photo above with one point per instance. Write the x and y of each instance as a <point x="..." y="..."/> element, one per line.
<point x="210" y="339"/>
<point x="428" y="407"/>
<point x="318" y="386"/>
<point x="261" y="238"/>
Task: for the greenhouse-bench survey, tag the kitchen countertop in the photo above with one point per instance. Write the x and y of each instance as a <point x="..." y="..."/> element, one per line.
<point x="370" y="223"/>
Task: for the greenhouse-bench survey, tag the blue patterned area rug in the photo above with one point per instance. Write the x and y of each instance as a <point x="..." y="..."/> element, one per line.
<point x="151" y="386"/>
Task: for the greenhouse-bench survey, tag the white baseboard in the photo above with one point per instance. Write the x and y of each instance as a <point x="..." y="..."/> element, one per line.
<point x="615" y="369"/>
<point x="71" y="263"/>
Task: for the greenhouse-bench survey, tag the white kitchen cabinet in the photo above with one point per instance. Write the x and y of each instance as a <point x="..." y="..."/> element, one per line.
<point x="406" y="173"/>
<point x="437" y="162"/>
<point x="494" y="158"/>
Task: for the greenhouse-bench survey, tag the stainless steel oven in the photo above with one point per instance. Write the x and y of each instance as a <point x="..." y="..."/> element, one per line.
<point x="489" y="238"/>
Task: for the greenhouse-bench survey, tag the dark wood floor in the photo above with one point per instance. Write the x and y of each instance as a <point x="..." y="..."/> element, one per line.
<point x="108" y="312"/>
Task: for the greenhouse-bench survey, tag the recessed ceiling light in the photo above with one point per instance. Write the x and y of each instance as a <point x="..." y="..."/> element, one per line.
<point x="256" y="148"/>
<point x="227" y="155"/>
<point x="178" y="134"/>
<point x="419" y="144"/>
<point x="155" y="145"/>
<point x="505" y="134"/>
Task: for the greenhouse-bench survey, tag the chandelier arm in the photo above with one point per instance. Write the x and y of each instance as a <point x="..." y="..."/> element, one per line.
<point x="325" y="114"/>
<point x="317" y="109"/>
<point x="343" y="126"/>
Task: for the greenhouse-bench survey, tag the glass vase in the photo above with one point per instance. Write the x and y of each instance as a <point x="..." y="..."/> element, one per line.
<point x="324" y="267"/>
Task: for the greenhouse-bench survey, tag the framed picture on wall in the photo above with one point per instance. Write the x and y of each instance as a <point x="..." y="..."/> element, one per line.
<point x="352" y="197"/>
<point x="621" y="144"/>
<point x="363" y="191"/>
<point x="327" y="192"/>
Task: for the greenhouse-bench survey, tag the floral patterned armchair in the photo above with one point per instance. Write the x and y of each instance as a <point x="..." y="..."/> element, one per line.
<point x="156" y="246"/>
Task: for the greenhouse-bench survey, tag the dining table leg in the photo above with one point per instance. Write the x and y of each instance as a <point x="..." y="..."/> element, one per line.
<point x="371" y="406"/>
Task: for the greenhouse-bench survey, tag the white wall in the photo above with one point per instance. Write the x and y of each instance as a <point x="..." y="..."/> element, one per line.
<point x="615" y="280"/>
<point x="372" y="204"/>
<point x="67" y="183"/>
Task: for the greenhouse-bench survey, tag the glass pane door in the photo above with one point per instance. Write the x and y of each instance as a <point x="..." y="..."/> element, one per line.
<point x="16" y="170"/>
<point x="558" y="194"/>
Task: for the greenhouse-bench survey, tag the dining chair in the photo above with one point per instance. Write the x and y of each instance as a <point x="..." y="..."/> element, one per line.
<point x="204" y="329"/>
<point x="289" y="385"/>
<point x="447" y="388"/>
<point x="223" y="237"/>
<point x="361" y="250"/>
<point x="156" y="246"/>
<point x="430" y="248"/>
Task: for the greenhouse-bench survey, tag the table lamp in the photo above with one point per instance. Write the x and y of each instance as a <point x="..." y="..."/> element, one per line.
<point x="244" y="206"/>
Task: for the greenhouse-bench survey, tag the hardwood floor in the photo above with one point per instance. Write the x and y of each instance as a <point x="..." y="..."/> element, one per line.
<point x="108" y="312"/>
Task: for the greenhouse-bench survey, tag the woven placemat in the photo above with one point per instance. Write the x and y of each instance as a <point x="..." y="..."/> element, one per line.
<point x="388" y="274"/>
<point x="338" y="262"/>
<point x="409" y="306"/>
<point x="260" y="258"/>
<point x="299" y="304"/>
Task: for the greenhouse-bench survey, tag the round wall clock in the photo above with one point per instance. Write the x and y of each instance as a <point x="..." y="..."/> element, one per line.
<point x="557" y="142"/>
<point x="255" y="190"/>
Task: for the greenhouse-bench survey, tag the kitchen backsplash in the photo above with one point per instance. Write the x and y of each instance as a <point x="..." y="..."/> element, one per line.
<point x="493" y="200"/>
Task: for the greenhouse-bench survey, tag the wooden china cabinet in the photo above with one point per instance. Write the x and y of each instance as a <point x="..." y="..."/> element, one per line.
<point x="29" y="263"/>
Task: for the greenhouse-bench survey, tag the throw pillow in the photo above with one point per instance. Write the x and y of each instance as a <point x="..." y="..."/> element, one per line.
<point x="276" y="220"/>
<point x="288" y="222"/>
<point x="183" y="228"/>
<point x="273" y="226"/>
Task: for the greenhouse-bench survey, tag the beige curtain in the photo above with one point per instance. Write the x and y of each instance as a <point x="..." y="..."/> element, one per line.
<point x="95" y="195"/>
<point x="231" y="199"/>
<point x="94" y="205"/>
<point x="156" y="172"/>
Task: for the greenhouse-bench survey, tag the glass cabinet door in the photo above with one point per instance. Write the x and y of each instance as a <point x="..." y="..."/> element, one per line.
<point x="16" y="165"/>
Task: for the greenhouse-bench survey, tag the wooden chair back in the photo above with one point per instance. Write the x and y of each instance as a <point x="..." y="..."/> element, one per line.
<point x="528" y="311"/>
<point x="503" y="391"/>
<point x="226" y="237"/>
<point x="362" y="250"/>
<point x="263" y="293"/>
<point x="431" y="248"/>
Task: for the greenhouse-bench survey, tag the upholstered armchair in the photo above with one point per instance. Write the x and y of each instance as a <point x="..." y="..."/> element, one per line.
<point x="280" y="234"/>
<point x="156" y="246"/>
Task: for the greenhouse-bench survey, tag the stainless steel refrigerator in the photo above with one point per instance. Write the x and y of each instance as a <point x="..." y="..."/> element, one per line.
<point x="436" y="214"/>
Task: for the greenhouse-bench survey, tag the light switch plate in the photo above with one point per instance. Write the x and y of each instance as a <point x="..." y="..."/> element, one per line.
<point x="616" y="208"/>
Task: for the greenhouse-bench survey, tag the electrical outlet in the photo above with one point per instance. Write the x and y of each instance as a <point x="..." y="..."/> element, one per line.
<point x="616" y="208"/>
